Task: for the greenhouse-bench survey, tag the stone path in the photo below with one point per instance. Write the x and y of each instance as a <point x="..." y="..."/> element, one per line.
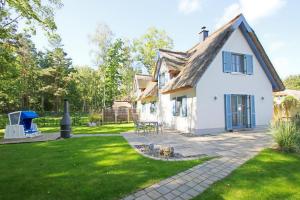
<point x="194" y="181"/>
<point x="95" y="135"/>
<point x="39" y="138"/>
<point x="51" y="136"/>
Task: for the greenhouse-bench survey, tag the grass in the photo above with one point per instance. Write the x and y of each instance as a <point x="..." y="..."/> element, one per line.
<point x="79" y="168"/>
<point x="107" y="128"/>
<point x="270" y="175"/>
<point x="104" y="129"/>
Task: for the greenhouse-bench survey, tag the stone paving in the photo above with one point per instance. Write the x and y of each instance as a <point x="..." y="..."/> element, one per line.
<point x="96" y="135"/>
<point x="39" y="138"/>
<point x="232" y="149"/>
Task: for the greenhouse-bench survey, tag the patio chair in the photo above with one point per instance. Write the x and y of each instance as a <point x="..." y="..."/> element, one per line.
<point x="160" y="127"/>
<point x="137" y="125"/>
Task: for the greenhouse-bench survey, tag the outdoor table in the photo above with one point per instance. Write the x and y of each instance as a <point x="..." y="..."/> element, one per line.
<point x="154" y="123"/>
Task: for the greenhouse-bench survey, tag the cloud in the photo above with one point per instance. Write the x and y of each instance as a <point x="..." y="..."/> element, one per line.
<point x="188" y="6"/>
<point x="253" y="10"/>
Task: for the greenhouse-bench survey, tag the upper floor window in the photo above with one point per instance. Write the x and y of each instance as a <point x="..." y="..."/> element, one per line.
<point x="143" y="107"/>
<point x="235" y="62"/>
<point x="162" y="79"/>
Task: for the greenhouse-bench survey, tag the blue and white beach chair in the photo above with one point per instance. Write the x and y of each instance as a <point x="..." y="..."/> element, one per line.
<point x="20" y="125"/>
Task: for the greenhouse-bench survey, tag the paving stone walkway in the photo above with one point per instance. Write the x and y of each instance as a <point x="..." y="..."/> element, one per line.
<point x="39" y="138"/>
<point x="96" y="135"/>
<point x="233" y="150"/>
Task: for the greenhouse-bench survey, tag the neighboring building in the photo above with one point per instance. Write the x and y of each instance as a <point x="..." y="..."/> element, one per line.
<point x="121" y="104"/>
<point x="279" y="96"/>
<point x="224" y="83"/>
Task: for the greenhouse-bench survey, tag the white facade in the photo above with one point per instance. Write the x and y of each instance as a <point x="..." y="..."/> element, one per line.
<point x="216" y="83"/>
<point x="205" y="102"/>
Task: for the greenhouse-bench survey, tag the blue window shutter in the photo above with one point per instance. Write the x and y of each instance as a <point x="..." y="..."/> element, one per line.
<point x="228" y="113"/>
<point x="174" y="106"/>
<point x="252" y="111"/>
<point x="184" y="106"/>
<point x="227" y="66"/>
<point x="249" y="64"/>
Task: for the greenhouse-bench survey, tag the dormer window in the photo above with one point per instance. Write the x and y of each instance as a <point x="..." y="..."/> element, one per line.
<point x="162" y="79"/>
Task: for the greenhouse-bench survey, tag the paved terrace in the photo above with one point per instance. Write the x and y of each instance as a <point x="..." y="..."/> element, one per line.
<point x="233" y="150"/>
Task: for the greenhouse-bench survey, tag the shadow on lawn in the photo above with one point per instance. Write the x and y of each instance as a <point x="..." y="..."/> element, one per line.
<point x="79" y="168"/>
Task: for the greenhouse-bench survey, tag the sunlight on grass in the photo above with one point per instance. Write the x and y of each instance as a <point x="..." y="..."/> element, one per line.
<point x="107" y="128"/>
<point x="83" y="168"/>
<point x="270" y="175"/>
<point x="1" y="133"/>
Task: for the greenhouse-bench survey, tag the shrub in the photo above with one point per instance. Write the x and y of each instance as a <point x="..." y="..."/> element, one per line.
<point x="290" y="105"/>
<point x="94" y="118"/>
<point x="287" y="135"/>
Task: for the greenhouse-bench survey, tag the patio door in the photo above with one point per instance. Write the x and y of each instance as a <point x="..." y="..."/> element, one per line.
<point x="239" y="111"/>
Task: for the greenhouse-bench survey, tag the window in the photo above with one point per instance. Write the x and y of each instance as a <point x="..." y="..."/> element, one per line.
<point x="237" y="63"/>
<point x="143" y="107"/>
<point x="153" y="107"/>
<point x="162" y="80"/>
<point x="180" y="106"/>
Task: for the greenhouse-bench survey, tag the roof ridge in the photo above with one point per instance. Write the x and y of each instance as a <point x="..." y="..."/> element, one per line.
<point x="216" y="31"/>
<point x="171" y="51"/>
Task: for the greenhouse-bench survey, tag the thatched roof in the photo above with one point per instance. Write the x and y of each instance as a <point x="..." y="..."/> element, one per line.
<point x="141" y="80"/>
<point x="143" y="77"/>
<point x="193" y="63"/>
<point x="150" y="91"/>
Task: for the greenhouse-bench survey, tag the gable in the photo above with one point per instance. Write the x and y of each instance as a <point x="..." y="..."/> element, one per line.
<point x="218" y="80"/>
<point x="204" y="53"/>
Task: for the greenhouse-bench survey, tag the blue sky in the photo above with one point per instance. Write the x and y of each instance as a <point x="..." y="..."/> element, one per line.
<point x="276" y="22"/>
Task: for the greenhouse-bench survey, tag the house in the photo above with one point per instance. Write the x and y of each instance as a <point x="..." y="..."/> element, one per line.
<point x="279" y="96"/>
<point x="121" y="104"/>
<point x="223" y="83"/>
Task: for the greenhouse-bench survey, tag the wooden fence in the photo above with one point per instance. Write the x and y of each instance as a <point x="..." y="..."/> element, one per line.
<point x="117" y="115"/>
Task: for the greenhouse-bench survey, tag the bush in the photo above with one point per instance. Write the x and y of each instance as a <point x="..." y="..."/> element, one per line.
<point x="94" y="118"/>
<point x="287" y="135"/>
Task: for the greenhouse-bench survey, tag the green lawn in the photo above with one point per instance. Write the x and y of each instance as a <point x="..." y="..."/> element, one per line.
<point x="79" y="168"/>
<point x="107" y="128"/>
<point x="270" y="175"/>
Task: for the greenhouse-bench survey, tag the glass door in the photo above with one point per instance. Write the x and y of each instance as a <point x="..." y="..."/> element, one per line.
<point x="239" y="111"/>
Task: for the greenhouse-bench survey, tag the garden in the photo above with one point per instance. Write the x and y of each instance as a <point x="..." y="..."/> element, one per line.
<point x="274" y="173"/>
<point x="80" y="168"/>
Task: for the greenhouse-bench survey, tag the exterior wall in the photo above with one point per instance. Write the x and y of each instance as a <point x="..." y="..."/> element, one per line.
<point x="146" y="115"/>
<point x="165" y="111"/>
<point x="215" y="83"/>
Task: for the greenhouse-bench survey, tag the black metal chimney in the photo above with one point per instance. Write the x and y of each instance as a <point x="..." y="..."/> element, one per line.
<point x="65" y="123"/>
<point x="203" y="33"/>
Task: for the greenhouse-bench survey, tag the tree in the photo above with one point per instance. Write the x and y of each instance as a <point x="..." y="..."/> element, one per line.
<point x="40" y="12"/>
<point x="101" y="41"/>
<point x="292" y="82"/>
<point x="28" y="78"/>
<point x="147" y="45"/>
<point x="55" y="77"/>
<point x="290" y="105"/>
<point x="117" y="58"/>
<point x="85" y="82"/>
